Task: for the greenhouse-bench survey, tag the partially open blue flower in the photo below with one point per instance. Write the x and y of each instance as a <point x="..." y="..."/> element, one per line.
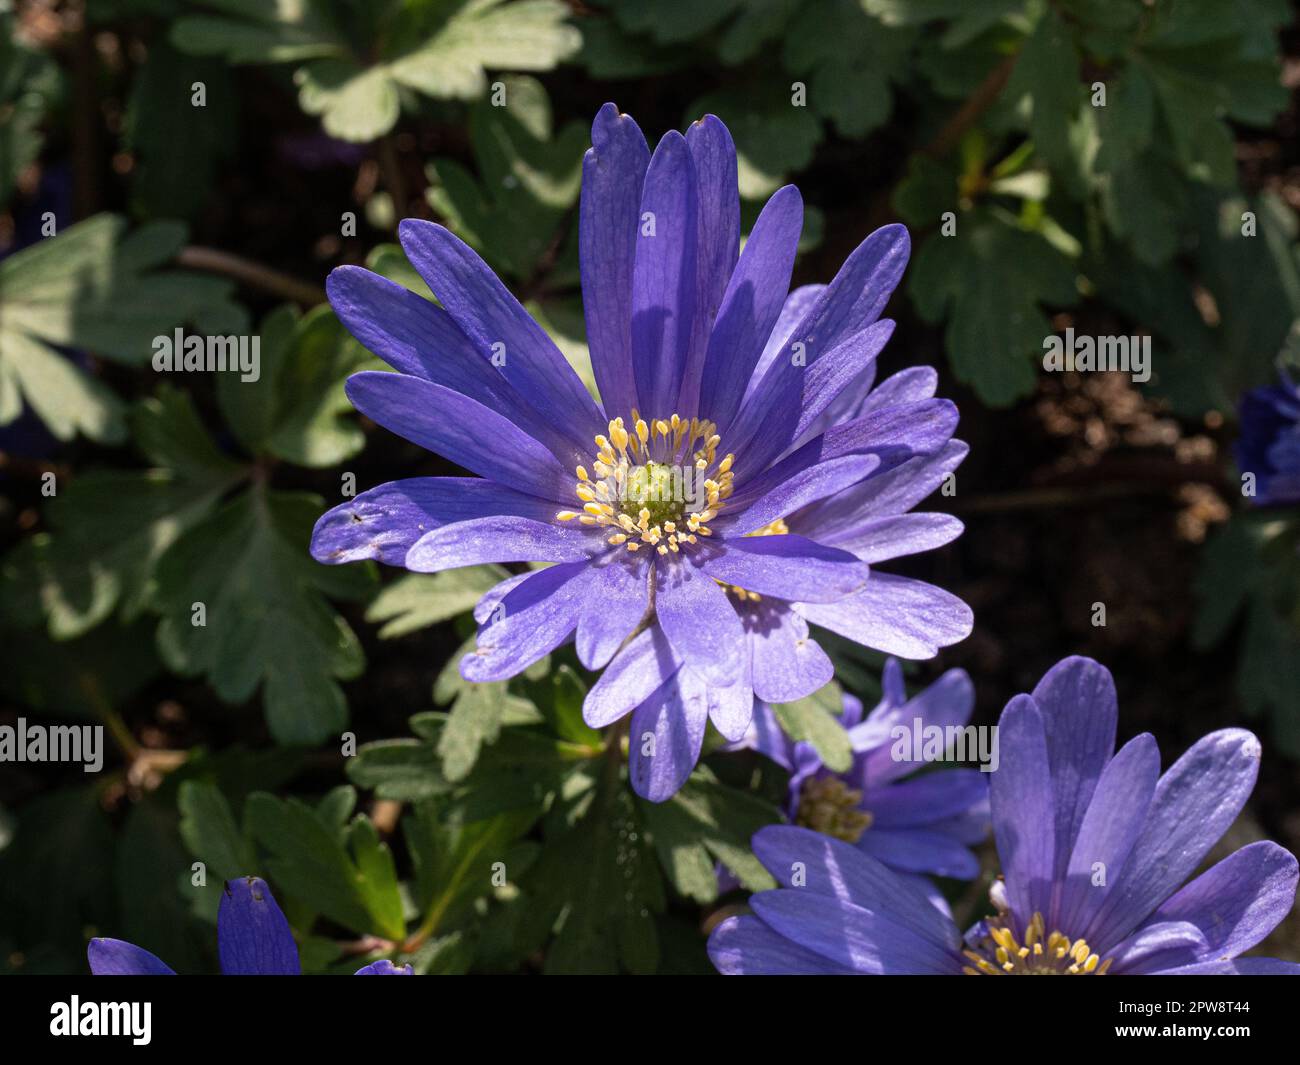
<point x="1269" y="445"/>
<point x="694" y="503"/>
<point x="916" y="823"/>
<point x="1095" y="848"/>
<point x="253" y="939"/>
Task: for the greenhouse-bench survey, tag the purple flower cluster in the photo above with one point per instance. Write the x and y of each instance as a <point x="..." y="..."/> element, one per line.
<point x="738" y="480"/>
<point x="917" y="823"/>
<point x="1269" y="445"/>
<point x="1095" y="845"/>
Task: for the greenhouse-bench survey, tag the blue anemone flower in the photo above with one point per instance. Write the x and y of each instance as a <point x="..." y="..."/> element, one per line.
<point x="253" y="939"/>
<point x="918" y="824"/>
<point x="1269" y="445"/>
<point x="1095" y="847"/>
<point x="736" y="480"/>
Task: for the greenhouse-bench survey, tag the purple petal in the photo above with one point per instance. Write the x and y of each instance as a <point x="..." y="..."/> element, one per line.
<point x="887" y="493"/>
<point x="386" y="521"/>
<point x="622" y="584"/>
<point x="788" y="567"/>
<point x="787" y="663"/>
<point x="751" y="306"/>
<point x="1165" y="945"/>
<point x="1110" y="827"/>
<point x="116" y="957"/>
<point x="1077" y="700"/>
<point x="920" y="850"/>
<point x="793" y="311"/>
<point x="665" y="739"/>
<point x="805" y="487"/>
<point x="461" y="430"/>
<point x="806" y="861"/>
<point x="383" y="967"/>
<point x="948" y="702"/>
<point x="745" y="946"/>
<point x="501" y="329"/>
<point x="867" y="941"/>
<point x="253" y="937"/>
<point x="664" y="276"/>
<point x="907" y="386"/>
<point x="926" y="799"/>
<point x="791" y="399"/>
<point x="1194" y="803"/>
<point x="902" y="535"/>
<point x="533" y="619"/>
<point x="499" y="538"/>
<point x="613" y="172"/>
<point x="897" y="615"/>
<point x="630" y="679"/>
<point x="766" y="736"/>
<point x="1020" y="795"/>
<point x="1239" y="901"/>
<point x="718" y="200"/>
<point x="700" y="622"/>
<point x="419" y="338"/>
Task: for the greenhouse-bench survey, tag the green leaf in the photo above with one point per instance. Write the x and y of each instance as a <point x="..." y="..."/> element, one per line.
<point x="210" y="831"/>
<point x="111" y="527"/>
<point x="93" y="287"/>
<point x="297" y="409"/>
<point x="309" y="859"/>
<point x="528" y="178"/>
<point x="30" y="85"/>
<point x="773" y="139"/>
<point x="1047" y="72"/>
<point x="602" y="917"/>
<point x="455" y="858"/>
<point x="179" y="145"/>
<point x="989" y="281"/>
<point x="417" y="600"/>
<point x="267" y="622"/>
<point x="815" y="718"/>
<point x="706" y="821"/>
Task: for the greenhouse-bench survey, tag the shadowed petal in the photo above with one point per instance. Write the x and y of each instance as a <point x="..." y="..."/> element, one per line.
<point x="613" y="171"/>
<point x="116" y="957"/>
<point x="665" y="739"/>
<point x="745" y="946"/>
<point x="501" y="329"/>
<point x="1239" y="901"/>
<point x="461" y="430"/>
<point x="1020" y="795"/>
<point x="1194" y="803"/>
<point x="664" y="277"/>
<point x="787" y="663"/>
<point x="751" y="306"/>
<point x="253" y="937"/>
<point x="386" y="521"/>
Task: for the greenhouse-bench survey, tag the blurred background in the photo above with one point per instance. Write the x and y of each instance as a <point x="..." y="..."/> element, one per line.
<point x="1122" y="167"/>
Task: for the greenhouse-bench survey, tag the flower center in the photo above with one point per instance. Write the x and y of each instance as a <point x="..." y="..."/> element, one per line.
<point x="1040" y="955"/>
<point x="657" y="485"/>
<point x="829" y="806"/>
